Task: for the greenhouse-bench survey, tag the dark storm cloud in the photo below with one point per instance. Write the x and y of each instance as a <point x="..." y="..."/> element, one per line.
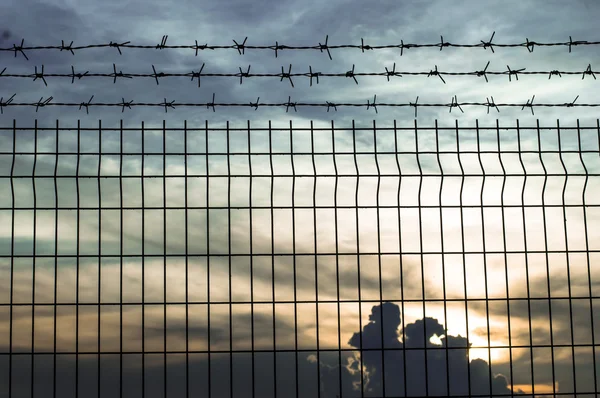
<point x="447" y="370"/>
<point x="305" y="23"/>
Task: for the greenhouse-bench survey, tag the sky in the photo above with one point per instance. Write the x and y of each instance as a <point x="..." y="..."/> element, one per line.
<point x="418" y="297"/>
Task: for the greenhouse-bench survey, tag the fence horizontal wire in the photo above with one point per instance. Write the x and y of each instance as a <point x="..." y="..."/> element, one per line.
<point x="340" y="261"/>
<point x="359" y="129"/>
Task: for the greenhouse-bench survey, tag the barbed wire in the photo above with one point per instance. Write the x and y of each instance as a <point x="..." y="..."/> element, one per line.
<point x="241" y="48"/>
<point x="41" y="75"/>
<point x="289" y="104"/>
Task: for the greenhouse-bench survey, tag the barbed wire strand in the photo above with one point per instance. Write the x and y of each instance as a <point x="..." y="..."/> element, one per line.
<point x="41" y="75"/>
<point x="289" y="104"/>
<point x="241" y="48"/>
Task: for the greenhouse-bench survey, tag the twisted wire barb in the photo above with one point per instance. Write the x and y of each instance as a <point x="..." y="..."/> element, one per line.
<point x="242" y="47"/>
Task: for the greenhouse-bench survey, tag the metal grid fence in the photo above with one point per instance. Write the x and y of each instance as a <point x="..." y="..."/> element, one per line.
<point x="299" y="261"/>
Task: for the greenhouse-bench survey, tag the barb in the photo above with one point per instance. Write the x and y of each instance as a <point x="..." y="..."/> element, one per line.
<point x="119" y="74"/>
<point x="197" y="74"/>
<point x="203" y="47"/>
<point x="489" y="44"/>
<point x="289" y="75"/>
<point x="373" y="104"/>
<point x="67" y="48"/>
<point x="436" y="73"/>
<point x="284" y="75"/>
<point x="156" y="75"/>
<point x="16" y="48"/>
<point x="515" y="72"/>
<point x="554" y="72"/>
<point x="40" y="75"/>
<point x="117" y="45"/>
<point x="363" y="47"/>
<point x="325" y="47"/>
<point x="42" y="103"/>
<point x="162" y="43"/>
<point x="3" y="104"/>
<point x="415" y="105"/>
<point x="454" y="103"/>
<point x="588" y="71"/>
<point x="576" y="43"/>
<point x="571" y="104"/>
<point x="443" y="44"/>
<point x="167" y="104"/>
<point x="310" y="74"/>
<point x="529" y="104"/>
<point x="351" y="74"/>
<point x="491" y="104"/>
<point x="241" y="48"/>
<point x="530" y="45"/>
<point x="244" y="74"/>
<point x="407" y="46"/>
<point x="76" y="75"/>
<point x="392" y="73"/>
<point x="292" y="104"/>
<point x="483" y="72"/>
<point x="124" y="104"/>
<point x="277" y="47"/>
<point x="87" y="105"/>
<point x="211" y="104"/>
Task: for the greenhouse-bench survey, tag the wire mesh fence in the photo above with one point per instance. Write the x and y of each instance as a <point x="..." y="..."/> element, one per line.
<point x="299" y="261"/>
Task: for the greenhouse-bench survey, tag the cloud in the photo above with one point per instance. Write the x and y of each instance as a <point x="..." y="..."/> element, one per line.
<point x="404" y="367"/>
<point x="47" y="23"/>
